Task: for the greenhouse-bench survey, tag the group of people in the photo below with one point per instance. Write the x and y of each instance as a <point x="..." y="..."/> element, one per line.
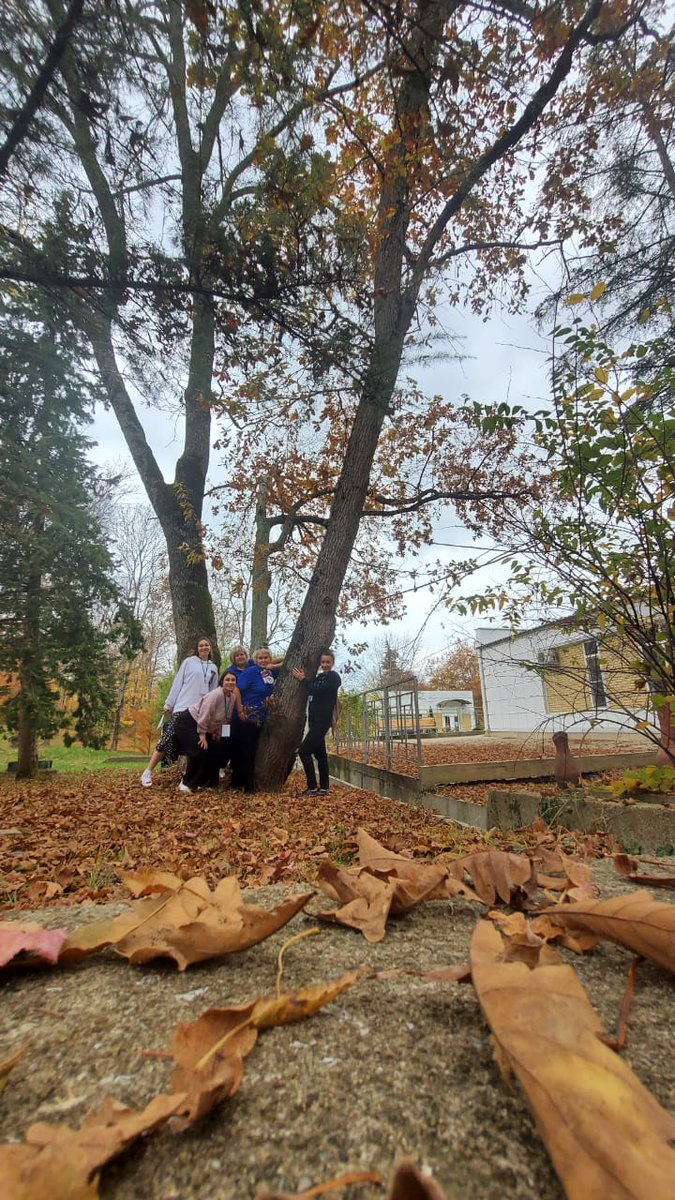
<point x="215" y="721"/>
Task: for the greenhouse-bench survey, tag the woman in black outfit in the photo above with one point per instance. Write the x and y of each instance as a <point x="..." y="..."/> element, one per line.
<point x="323" y="692"/>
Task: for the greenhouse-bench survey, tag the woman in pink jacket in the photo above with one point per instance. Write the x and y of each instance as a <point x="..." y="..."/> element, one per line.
<point x="198" y="730"/>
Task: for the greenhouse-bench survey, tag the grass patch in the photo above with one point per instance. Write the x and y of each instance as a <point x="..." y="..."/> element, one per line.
<point x="69" y="758"/>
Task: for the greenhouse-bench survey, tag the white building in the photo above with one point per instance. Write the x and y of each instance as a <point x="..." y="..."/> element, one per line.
<point x="555" y="677"/>
<point x="450" y="712"/>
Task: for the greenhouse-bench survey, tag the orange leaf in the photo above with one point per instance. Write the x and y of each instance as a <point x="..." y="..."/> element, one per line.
<point x="210" y="1051"/>
<point x="607" y="1136"/>
<point x="189" y="924"/>
<point x="57" y="1163"/>
<point x="635" y="920"/>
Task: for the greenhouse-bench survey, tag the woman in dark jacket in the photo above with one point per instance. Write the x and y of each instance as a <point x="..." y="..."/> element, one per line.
<point x="254" y="688"/>
<point x="323" y="692"/>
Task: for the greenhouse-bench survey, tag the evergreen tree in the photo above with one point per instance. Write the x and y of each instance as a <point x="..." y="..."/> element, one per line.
<point x="62" y="626"/>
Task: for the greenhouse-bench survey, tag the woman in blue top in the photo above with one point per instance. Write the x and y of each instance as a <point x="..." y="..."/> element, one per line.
<point x="254" y="688"/>
<point x="195" y="677"/>
<point x="240" y="660"/>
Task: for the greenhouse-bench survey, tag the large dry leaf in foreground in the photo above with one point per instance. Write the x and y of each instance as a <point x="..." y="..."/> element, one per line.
<point x="635" y="920"/>
<point x="18" y="937"/>
<point x="210" y="1051"/>
<point x="59" y="1163"/>
<point x="385" y="884"/>
<point x="188" y="924"/>
<point x="607" y="1136"/>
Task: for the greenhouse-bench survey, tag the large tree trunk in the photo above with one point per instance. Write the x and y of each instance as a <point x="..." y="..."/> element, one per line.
<point x="117" y="722"/>
<point x="260" y="573"/>
<point x="29" y="675"/>
<point x="315" y="627"/>
<point x="178" y="506"/>
<point x="395" y="293"/>
<point x="393" y="308"/>
<point x="26" y="737"/>
<point x="665" y="755"/>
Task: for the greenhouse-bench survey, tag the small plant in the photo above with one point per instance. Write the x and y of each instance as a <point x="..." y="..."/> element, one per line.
<point x="645" y="779"/>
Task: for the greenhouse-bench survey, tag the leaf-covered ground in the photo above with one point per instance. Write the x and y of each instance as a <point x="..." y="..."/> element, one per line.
<point x="488" y="749"/>
<point x="63" y="838"/>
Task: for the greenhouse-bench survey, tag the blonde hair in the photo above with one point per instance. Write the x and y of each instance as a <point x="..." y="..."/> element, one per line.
<point x="262" y="650"/>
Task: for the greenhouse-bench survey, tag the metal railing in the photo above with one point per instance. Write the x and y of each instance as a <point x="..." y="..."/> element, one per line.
<point x="385" y="731"/>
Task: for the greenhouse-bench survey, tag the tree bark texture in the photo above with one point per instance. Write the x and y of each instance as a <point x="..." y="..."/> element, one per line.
<point x="178" y="506"/>
<point x="27" y="711"/>
<point x="260" y="574"/>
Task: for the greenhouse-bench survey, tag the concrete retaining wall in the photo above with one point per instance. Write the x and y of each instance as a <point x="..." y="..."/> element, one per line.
<point x="642" y="828"/>
<point x="406" y="789"/>
<point x="528" y="768"/>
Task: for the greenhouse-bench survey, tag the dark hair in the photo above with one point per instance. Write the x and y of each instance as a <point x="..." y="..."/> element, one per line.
<point x="203" y="638"/>
<point x="222" y="678"/>
<point x="330" y="653"/>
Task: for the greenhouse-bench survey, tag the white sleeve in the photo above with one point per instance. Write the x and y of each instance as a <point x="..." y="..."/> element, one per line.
<point x="176" y="685"/>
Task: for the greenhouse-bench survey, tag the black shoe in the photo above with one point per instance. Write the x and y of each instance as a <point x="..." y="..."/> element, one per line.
<point x="309" y="792"/>
<point x="322" y="792"/>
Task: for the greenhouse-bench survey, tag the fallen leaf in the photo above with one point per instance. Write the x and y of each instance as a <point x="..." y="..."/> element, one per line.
<point x="498" y="873"/>
<point x="210" y="1051"/>
<point x="59" y="1163"/>
<point x="415" y="881"/>
<point x="329" y="1185"/>
<point x="630" y="869"/>
<point x="522" y="941"/>
<point x="368" y="900"/>
<point x="7" y="1064"/>
<point x="17" y="937"/>
<point x="189" y="924"/>
<point x="607" y="1136"/>
<point x="635" y="920"/>
<point x="409" y="1183"/>
<point x="146" y="882"/>
<point x="525" y="940"/>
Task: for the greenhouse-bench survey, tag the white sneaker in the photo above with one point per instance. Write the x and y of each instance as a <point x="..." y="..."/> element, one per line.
<point x="183" y="787"/>
<point x="146" y="778"/>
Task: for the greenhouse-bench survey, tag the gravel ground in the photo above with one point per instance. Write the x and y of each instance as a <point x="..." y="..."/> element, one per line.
<point x="394" y="1068"/>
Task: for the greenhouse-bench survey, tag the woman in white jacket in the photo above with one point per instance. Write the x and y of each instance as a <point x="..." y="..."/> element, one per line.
<point x="195" y="677"/>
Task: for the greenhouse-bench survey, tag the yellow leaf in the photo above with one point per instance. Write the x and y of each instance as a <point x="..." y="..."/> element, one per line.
<point x="576" y="298"/>
<point x="598" y="291"/>
<point x="601" y="375"/>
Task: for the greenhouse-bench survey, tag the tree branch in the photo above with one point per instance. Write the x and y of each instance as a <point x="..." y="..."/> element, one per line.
<point x="37" y="93"/>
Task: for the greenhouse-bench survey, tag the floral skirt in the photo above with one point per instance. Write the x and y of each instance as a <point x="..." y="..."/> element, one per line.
<point x="166" y="745"/>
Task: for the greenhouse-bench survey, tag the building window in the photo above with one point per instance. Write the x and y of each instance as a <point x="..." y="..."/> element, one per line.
<point x="595" y="682"/>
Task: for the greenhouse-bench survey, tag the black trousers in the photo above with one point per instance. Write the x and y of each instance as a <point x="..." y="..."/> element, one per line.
<point x="244" y="739"/>
<point x="202" y="765"/>
<point x="314" y="747"/>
